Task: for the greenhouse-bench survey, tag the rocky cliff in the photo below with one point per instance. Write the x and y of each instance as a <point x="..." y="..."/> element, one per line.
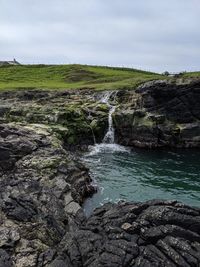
<point x="43" y="183"/>
<point x="159" y="114"/>
<point x="75" y="116"/>
<point x="156" y="114"/>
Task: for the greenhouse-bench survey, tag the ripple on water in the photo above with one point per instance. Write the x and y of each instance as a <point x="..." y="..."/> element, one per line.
<point x="141" y="175"/>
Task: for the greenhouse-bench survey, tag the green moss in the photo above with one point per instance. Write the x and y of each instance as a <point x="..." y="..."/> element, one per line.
<point x="44" y="163"/>
<point x="71" y="140"/>
<point x="54" y="132"/>
<point x="176" y="130"/>
<point x="102" y="107"/>
<point x="179" y="126"/>
<point x="93" y="124"/>
<point x="143" y="121"/>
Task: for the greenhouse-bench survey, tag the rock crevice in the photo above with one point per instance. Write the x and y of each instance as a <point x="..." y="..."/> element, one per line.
<point x="43" y="183"/>
<point x="155" y="233"/>
<point x="159" y="114"/>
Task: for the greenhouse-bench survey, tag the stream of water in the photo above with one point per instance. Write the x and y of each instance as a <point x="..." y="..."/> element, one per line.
<point x="139" y="175"/>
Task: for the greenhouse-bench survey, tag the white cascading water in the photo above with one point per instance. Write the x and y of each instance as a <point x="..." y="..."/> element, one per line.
<point x="105" y="98"/>
<point x="107" y="146"/>
<point x="108" y="143"/>
<point x="109" y="137"/>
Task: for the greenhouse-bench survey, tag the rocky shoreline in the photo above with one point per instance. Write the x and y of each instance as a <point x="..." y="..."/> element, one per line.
<point x="43" y="183"/>
<point x="153" y="233"/>
<point x="42" y="186"/>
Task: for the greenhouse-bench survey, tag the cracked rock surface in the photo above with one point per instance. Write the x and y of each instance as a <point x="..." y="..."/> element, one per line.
<point x="159" y="114"/>
<point x="41" y="187"/>
<point x="150" y="234"/>
<point x="43" y="184"/>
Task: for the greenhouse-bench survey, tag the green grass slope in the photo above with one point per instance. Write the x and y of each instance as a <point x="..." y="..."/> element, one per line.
<point x="71" y="76"/>
<point x="191" y="74"/>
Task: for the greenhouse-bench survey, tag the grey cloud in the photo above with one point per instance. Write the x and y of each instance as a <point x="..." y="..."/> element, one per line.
<point x="154" y="35"/>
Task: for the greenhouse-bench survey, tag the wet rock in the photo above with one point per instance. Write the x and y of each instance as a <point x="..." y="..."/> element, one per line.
<point x="42" y="184"/>
<point x="165" y="234"/>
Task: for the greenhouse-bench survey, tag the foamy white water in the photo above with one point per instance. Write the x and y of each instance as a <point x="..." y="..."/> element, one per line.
<point x="106" y="148"/>
<point x="108" y="144"/>
<point x="109" y="137"/>
<point x="106" y="96"/>
<point x="139" y="175"/>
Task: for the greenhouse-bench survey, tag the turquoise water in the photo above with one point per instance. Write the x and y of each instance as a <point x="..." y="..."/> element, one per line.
<point x="140" y="175"/>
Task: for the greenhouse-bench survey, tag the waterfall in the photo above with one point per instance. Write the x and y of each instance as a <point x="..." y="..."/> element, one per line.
<point x="109" y="137"/>
<point x="108" y="144"/>
<point x="106" y="97"/>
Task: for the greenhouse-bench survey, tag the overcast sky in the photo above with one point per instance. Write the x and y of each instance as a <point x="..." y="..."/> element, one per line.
<point x="147" y="34"/>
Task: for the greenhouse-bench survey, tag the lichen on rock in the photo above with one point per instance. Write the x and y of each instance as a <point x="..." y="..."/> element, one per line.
<point x="36" y="176"/>
<point x="43" y="183"/>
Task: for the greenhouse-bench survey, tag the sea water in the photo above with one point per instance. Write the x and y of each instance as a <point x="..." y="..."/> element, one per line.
<point x="139" y="175"/>
<point x="120" y="173"/>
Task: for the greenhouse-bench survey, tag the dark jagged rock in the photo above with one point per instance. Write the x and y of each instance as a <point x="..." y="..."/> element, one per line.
<point x="156" y="114"/>
<point x="36" y="204"/>
<point x="159" y="114"/>
<point x="42" y="184"/>
<point x="154" y="233"/>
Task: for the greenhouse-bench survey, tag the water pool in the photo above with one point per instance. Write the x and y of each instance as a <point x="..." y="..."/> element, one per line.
<point x="140" y="175"/>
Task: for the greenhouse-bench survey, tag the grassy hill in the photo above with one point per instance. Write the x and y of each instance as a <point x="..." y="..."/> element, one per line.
<point x="71" y="76"/>
<point x="191" y="74"/>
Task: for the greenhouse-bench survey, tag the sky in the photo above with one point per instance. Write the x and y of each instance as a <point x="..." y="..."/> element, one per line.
<point x="152" y="35"/>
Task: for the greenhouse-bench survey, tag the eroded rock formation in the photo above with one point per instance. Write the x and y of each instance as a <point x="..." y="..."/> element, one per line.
<point x="159" y="114"/>
<point x="156" y="114"/>
<point x="154" y="233"/>
<point x="43" y="184"/>
<point x="77" y="117"/>
<point x="41" y="187"/>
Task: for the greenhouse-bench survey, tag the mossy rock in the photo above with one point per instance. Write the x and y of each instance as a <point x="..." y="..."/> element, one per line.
<point x="43" y="162"/>
<point x="94" y="124"/>
<point x="71" y="140"/>
<point x="139" y="113"/>
<point x="144" y="121"/>
<point x="176" y="131"/>
<point x="123" y="118"/>
<point x="77" y="132"/>
<point x="102" y="107"/>
<point x="159" y="119"/>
